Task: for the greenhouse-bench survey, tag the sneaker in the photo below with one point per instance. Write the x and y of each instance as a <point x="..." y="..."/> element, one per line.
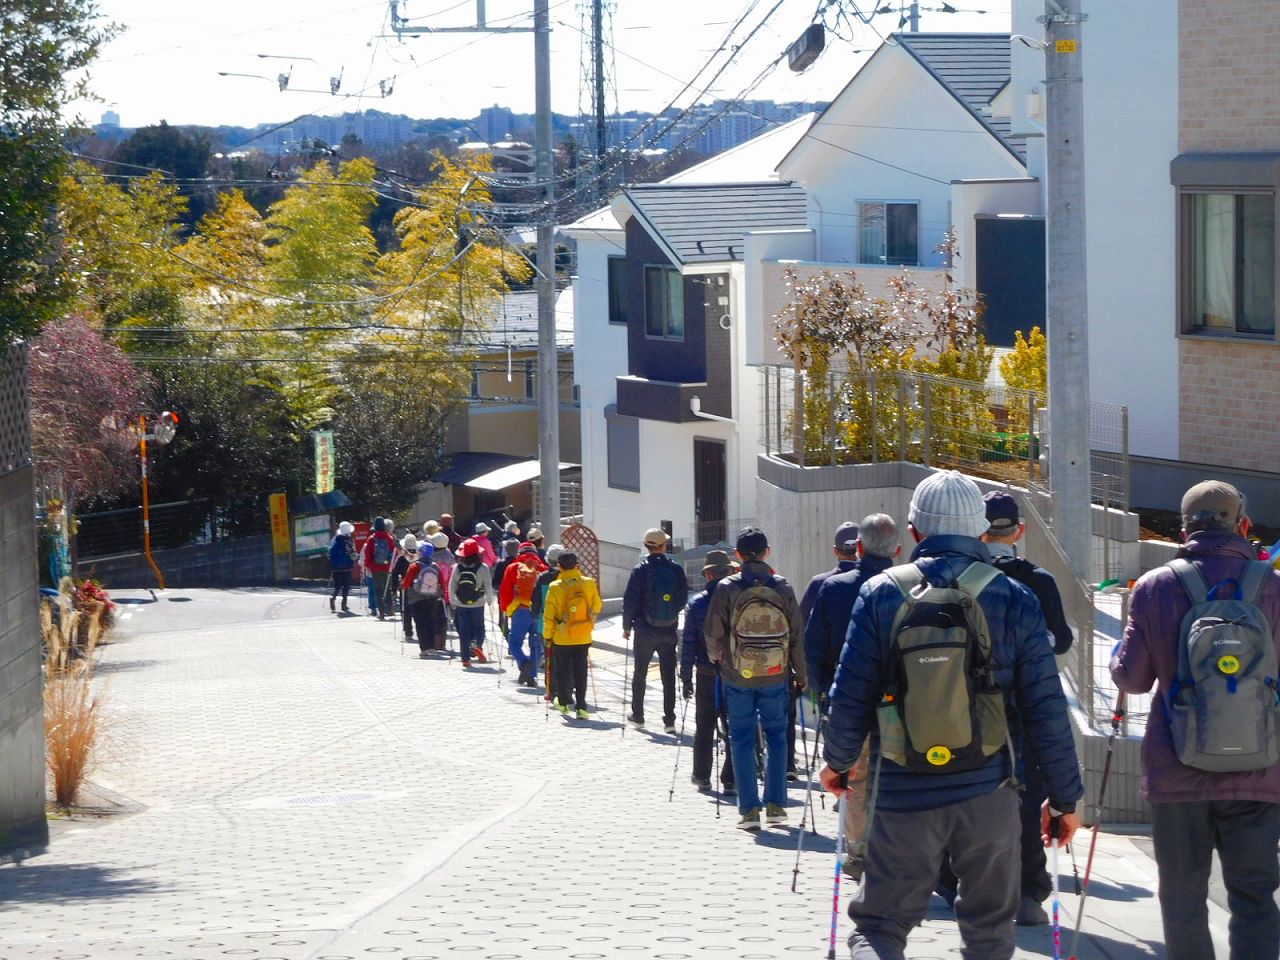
<point x="1031" y="913"/>
<point x="729" y="790"/>
<point x="670" y="727"/>
<point x="774" y="814"/>
<point x="853" y="868"/>
<point x="424" y="654"/>
<point x="583" y="715"/>
<point x="466" y="664"/>
<point x="702" y="783"/>
<point x="478" y="655"/>
<point x="949" y="896"/>
<point x="792" y="776"/>
<point x="332" y="604"/>
<point x="750" y="820"/>
<point x="637" y="722"/>
<point x="345" y="608"/>
<point x="563" y="708"/>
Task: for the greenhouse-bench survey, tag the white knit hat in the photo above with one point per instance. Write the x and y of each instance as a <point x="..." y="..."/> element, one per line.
<point x="948" y="503"/>
<point x="441" y="540"/>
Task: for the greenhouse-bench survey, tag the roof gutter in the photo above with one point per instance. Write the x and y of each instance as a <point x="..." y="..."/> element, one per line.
<point x="695" y="407"/>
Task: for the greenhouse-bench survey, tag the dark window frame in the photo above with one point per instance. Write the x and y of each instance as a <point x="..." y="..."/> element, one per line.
<point x="1235" y="174"/>
<point x="529" y="380"/>
<point x="616" y="274"/>
<point x="672" y="275"/>
<point x="888" y="261"/>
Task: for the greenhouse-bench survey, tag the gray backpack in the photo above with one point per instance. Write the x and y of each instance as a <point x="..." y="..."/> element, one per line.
<point x="1222" y="706"/>
<point x="943" y="711"/>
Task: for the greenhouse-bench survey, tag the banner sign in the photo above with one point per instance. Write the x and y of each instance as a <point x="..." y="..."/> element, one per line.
<point x="311" y="535"/>
<point x="280" y="543"/>
<point x="324" y="460"/>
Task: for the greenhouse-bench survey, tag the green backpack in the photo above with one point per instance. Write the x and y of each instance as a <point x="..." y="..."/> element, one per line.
<point x="942" y="712"/>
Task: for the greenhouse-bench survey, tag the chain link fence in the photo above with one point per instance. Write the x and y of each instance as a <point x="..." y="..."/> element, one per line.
<point x="181" y="523"/>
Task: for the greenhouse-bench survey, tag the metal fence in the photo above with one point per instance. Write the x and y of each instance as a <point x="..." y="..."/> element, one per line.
<point x="181" y="523"/>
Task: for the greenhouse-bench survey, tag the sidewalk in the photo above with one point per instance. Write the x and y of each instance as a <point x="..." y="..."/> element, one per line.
<point x="308" y="788"/>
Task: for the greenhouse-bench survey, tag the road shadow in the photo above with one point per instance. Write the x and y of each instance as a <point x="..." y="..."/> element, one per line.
<point x="121" y="666"/>
<point x="132" y="601"/>
<point x="1118" y="892"/>
<point x="33" y="882"/>
<point x="788" y="838"/>
<point x="1039" y="940"/>
<point x="591" y="724"/>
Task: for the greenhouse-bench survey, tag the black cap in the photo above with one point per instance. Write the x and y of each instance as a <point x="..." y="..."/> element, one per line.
<point x="846" y="536"/>
<point x="752" y="542"/>
<point x="1002" y="513"/>
<point x="567" y="560"/>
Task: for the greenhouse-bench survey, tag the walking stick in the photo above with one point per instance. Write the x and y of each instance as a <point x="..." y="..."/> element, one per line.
<point x="807" y="810"/>
<point x="719" y="771"/>
<point x="591" y="669"/>
<point x="1055" y="825"/>
<point x="626" y="661"/>
<point x="671" y="794"/>
<point x="835" y="895"/>
<point x="1117" y="717"/>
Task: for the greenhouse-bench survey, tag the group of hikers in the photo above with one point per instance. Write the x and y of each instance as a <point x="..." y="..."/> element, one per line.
<point x="944" y="728"/>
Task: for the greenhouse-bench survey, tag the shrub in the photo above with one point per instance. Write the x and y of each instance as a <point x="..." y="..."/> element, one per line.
<point x="72" y="715"/>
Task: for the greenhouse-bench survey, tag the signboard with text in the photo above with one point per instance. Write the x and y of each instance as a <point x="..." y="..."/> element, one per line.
<point x="324" y="460"/>
<point x="280" y="540"/>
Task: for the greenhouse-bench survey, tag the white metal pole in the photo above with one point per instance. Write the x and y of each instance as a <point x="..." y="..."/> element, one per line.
<point x="548" y="362"/>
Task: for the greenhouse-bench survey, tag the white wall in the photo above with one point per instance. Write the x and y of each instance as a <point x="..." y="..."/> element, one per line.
<point x="894" y="135"/>
<point x="1131" y="135"/>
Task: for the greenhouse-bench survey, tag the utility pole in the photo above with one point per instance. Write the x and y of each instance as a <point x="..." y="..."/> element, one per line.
<point x="548" y="505"/>
<point x="1066" y="301"/>
<point x="597" y="70"/>
<point x="914" y="16"/>
<point x="548" y="361"/>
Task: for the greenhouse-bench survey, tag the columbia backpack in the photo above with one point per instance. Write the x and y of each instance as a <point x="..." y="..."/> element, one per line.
<point x="759" y="632"/>
<point x="662" y="602"/>
<point x="381" y="551"/>
<point x="466" y="585"/>
<point x="1222" y="705"/>
<point x="942" y="711"/>
<point x="427" y="582"/>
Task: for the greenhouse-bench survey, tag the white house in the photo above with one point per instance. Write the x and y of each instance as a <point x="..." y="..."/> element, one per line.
<point x="678" y="283"/>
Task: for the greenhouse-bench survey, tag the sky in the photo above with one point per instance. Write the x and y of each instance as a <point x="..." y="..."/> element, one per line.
<point x="165" y="64"/>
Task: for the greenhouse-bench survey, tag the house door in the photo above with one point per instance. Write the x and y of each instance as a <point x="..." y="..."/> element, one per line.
<point x="709" y="491"/>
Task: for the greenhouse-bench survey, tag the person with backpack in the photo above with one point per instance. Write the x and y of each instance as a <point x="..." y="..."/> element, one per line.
<point x="754" y="636"/>
<point x="948" y="661"/>
<point x="876" y="544"/>
<point x="1204" y="629"/>
<point x="469" y="587"/>
<point x="379" y="553"/>
<point x="406" y="553"/>
<point x="539" y="607"/>
<point x="510" y="549"/>
<point x="342" y="561"/>
<point x="694" y="658"/>
<point x="656" y="593"/>
<point x="515" y="596"/>
<point x="569" y="616"/>
<point x="1003" y="533"/>
<point x="423" y="587"/>
<point x="487" y="551"/>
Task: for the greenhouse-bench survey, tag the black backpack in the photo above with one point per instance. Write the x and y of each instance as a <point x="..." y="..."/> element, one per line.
<point x="466" y="585"/>
<point x="662" y="600"/>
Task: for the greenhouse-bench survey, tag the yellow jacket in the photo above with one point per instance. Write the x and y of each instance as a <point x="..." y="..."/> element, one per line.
<point x="573" y="603"/>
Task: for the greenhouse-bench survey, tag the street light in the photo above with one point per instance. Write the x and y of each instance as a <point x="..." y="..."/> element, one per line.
<point x="165" y="426"/>
<point x="281" y="78"/>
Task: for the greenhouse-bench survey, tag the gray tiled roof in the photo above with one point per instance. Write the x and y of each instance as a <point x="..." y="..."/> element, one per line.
<point x="973" y="66"/>
<point x="706" y="223"/>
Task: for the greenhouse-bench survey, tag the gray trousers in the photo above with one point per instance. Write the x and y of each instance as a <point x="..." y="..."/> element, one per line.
<point x="1245" y="834"/>
<point x="904" y="852"/>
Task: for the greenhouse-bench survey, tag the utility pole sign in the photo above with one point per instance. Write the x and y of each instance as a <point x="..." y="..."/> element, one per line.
<point x="1066" y="289"/>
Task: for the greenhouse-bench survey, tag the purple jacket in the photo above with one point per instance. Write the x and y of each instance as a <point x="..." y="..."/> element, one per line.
<point x="1148" y="655"/>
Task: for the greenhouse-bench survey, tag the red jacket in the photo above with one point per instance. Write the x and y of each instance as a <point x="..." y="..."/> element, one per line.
<point x="366" y="557"/>
<point x="510" y="597"/>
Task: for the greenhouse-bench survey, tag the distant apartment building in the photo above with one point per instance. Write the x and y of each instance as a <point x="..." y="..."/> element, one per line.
<point x="371" y="127"/>
<point x="495" y="123"/>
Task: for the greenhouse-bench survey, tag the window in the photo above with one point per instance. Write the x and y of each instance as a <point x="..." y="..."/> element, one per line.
<point x="889" y="233"/>
<point x="622" y="442"/>
<point x="475" y="383"/>
<point x="663" y="303"/>
<point x="617" y="289"/>
<point x="1227" y="263"/>
<point x="1233" y="262"/>
<point x="529" y="381"/>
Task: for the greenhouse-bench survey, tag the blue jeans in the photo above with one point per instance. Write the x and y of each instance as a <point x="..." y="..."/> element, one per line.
<point x="522" y="626"/>
<point x="470" y="622"/>
<point x="744" y="705"/>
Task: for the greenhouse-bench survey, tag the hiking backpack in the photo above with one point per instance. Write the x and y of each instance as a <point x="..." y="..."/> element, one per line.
<point x="525" y="582"/>
<point x="339" y="553"/>
<point x="576" y="608"/>
<point x="943" y="711"/>
<point x="661" y="586"/>
<point x="466" y="585"/>
<point x="427" y="582"/>
<point x="759" y="632"/>
<point x="1222" y="705"/>
<point x="381" y="551"/>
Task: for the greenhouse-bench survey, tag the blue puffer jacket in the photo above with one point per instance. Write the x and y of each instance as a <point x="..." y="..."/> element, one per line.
<point x="693" y="646"/>
<point x="1024" y="668"/>
<point x="828" y="624"/>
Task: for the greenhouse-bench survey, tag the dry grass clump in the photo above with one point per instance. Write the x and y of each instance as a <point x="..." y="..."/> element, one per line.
<point x="72" y="721"/>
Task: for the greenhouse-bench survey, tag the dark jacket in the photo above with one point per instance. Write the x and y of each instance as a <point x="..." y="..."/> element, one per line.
<point x="633" y="598"/>
<point x="1041" y="583"/>
<point x="815" y="584"/>
<point x="1023" y="666"/>
<point x="693" y="645"/>
<point x="827" y="625"/>
<point x="342" y="553"/>
<point x="720" y="617"/>
<point x="1148" y="654"/>
<point x="540" y="594"/>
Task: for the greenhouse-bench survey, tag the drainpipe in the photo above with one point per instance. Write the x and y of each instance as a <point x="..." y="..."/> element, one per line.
<point x="695" y="407"/>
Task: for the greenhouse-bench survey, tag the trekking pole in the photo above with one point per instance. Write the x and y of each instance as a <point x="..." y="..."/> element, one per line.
<point x="804" y="736"/>
<point x="1117" y="717"/>
<point x="806" y="809"/>
<point x="835" y="895"/>
<point x="626" y="661"/>
<point x="591" y="669"/>
<point x="1055" y="826"/>
<point x="719" y="771"/>
<point x="671" y="794"/>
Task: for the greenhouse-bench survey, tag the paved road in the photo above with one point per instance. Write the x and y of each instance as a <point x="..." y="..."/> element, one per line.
<point x="302" y="786"/>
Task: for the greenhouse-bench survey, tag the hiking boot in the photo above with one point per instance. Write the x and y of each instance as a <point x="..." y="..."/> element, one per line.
<point x="563" y="708"/>
<point x="466" y="664"/>
<point x="1030" y="913"/>
<point x="670" y="727"/>
<point x="702" y="783"/>
<point x="774" y="814"/>
<point x="523" y="677"/>
<point x="332" y="603"/>
<point x="345" y="608"/>
<point x="582" y="714"/>
<point x="750" y="820"/>
<point x="637" y="722"/>
<point x="478" y="655"/>
<point x="424" y="654"/>
<point x="729" y="790"/>
<point x="853" y="868"/>
<point x="792" y="776"/>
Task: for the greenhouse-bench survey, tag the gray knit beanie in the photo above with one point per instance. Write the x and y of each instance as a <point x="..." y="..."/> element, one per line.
<point x="948" y="503"/>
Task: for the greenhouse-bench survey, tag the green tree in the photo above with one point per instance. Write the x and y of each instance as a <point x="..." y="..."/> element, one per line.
<point x="44" y="46"/>
<point x="183" y="155"/>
